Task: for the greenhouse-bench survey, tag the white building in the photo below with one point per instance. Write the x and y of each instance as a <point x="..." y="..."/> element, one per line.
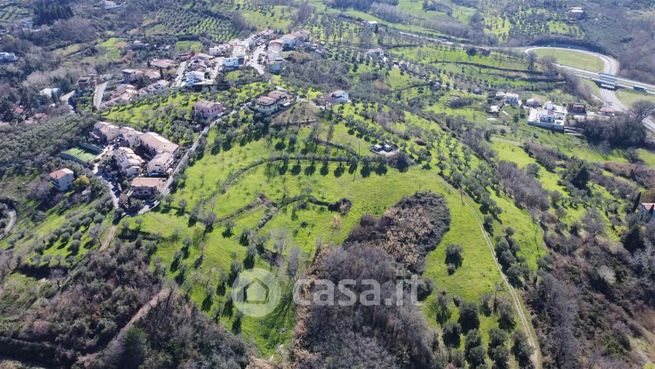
<point x="160" y="164"/>
<point x="6" y="57"/>
<point x="157" y="144"/>
<point x="646" y="211"/>
<point x="106" y="131"/>
<point x="194" y="77"/>
<point x="154" y="88"/>
<point x="51" y="92"/>
<point x="129" y="136"/>
<point x="339" y="97"/>
<point x="231" y="63"/>
<point x="62" y="179"/>
<point x="512" y="99"/>
<point x="551" y="117"/>
<point x="130" y="164"/>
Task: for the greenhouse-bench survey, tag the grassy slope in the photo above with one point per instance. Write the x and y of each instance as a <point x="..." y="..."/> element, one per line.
<point x="629" y="97"/>
<point x="370" y="195"/>
<point x="573" y="58"/>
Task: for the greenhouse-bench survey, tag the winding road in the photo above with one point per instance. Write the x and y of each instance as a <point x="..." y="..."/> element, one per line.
<point x="612" y="67"/>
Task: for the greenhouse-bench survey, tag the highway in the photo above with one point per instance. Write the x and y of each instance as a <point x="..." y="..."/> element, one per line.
<point x="611" y="67"/>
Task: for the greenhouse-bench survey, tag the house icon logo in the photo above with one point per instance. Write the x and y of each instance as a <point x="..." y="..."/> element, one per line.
<point x="256" y="292"/>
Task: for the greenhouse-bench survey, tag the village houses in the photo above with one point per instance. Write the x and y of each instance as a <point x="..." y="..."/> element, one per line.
<point x="160" y="164"/>
<point x="129" y="163"/>
<point x="105" y="132"/>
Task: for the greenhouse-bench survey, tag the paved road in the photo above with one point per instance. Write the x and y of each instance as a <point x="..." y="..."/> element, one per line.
<point x="110" y="186"/>
<point x="98" y="95"/>
<point x="181" y="164"/>
<point x="254" y="59"/>
<point x="610" y="66"/>
<point x="179" y="77"/>
<point x="516" y="299"/>
<point x="66" y="99"/>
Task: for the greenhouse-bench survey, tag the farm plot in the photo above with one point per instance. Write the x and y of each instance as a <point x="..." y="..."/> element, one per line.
<point x="10" y="13"/>
<point x="190" y="22"/>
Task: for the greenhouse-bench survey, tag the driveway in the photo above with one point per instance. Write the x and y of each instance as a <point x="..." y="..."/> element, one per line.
<point x="113" y="191"/>
<point x="98" y="95"/>
<point x="254" y="59"/>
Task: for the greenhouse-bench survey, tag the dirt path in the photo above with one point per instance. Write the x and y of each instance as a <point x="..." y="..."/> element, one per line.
<point x="110" y="237"/>
<point x="516" y="299"/>
<point x="10" y="224"/>
<point x="115" y="343"/>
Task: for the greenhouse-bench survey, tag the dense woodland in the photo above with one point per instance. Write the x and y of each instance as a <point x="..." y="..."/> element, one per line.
<point x="367" y="336"/>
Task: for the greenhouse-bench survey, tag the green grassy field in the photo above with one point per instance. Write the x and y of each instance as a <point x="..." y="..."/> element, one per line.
<point x="647" y="156"/>
<point x="573" y="58"/>
<point x="206" y="187"/>
<point x="189" y="46"/>
<point x="264" y="190"/>
<point x="80" y="154"/>
<point x="629" y="97"/>
<point x="113" y="47"/>
<point x="280" y="17"/>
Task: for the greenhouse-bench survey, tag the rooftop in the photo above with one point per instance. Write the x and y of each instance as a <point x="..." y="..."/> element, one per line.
<point x="161" y="159"/>
<point x="206" y="104"/>
<point x="158" y="143"/>
<point x="163" y="63"/>
<point x="61" y="173"/>
<point x="265" y="101"/>
<point x="277" y="94"/>
<point x="148" y="182"/>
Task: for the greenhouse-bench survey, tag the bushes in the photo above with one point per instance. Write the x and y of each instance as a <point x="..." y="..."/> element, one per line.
<point x="514" y="266"/>
<point x="175" y="335"/>
<point x="407" y="231"/>
<point x="621" y="132"/>
<point x="375" y="336"/>
<point x="451" y="332"/>
<point x="454" y="257"/>
<point x="523" y="188"/>
<point x="110" y="286"/>
<point x="577" y="174"/>
<point x="468" y="316"/>
<point x="25" y="149"/>
<point x="473" y="350"/>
